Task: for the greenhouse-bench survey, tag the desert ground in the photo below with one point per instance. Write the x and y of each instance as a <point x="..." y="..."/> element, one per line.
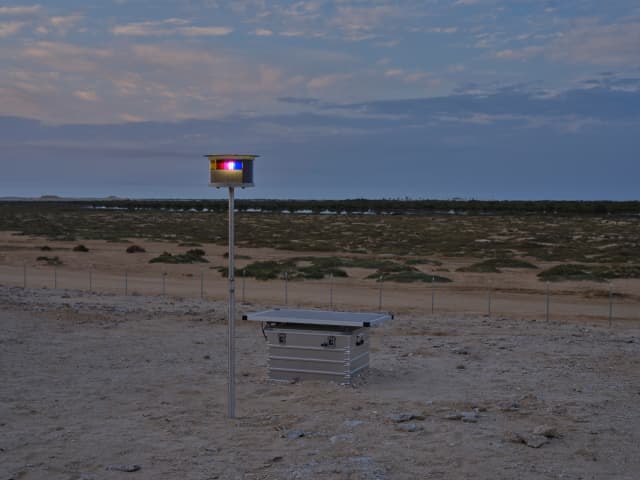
<point x="107" y="380"/>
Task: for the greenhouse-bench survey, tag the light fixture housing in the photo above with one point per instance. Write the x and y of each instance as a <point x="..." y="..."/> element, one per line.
<point x="231" y="170"/>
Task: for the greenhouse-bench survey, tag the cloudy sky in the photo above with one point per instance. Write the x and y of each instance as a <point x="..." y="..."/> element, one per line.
<point x="487" y="99"/>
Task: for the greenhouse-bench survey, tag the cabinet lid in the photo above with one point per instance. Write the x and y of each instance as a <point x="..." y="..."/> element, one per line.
<point x="319" y="317"/>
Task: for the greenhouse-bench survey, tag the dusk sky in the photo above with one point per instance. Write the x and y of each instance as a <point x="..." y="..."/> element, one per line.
<point x="485" y="99"/>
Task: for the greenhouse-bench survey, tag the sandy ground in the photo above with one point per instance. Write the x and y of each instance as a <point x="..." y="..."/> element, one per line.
<point x="94" y="384"/>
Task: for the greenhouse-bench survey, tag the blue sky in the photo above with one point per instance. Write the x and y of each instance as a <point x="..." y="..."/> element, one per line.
<point x="488" y="99"/>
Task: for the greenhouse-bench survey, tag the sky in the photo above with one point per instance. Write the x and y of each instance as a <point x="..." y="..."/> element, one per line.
<point x="474" y="99"/>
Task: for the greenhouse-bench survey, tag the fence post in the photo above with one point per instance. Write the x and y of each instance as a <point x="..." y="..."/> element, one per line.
<point x="331" y="291"/>
<point x="380" y="280"/>
<point x="244" y="274"/>
<point x="90" y="280"/>
<point x="24" y="275"/>
<point x="201" y="284"/>
<point x="547" y="302"/>
<point x="433" y="294"/>
<point x="286" y="285"/>
<point x="489" y="302"/>
<point x="610" y="304"/>
<point x="55" y="278"/>
<point x="164" y="283"/>
<point x="126" y="283"/>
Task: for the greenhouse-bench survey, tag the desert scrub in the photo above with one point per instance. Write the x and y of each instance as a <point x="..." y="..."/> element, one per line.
<point x="135" y="249"/>
<point x="494" y="265"/>
<point x="50" y="260"/>
<point x="80" y="248"/>
<point x="320" y="267"/>
<point x="594" y="273"/>
<point x="192" y="256"/>
<point x="264" y="270"/>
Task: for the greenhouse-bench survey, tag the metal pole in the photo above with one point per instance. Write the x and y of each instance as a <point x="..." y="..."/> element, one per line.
<point x="286" y="288"/>
<point x="331" y="291"/>
<point x="90" y="280"/>
<point x="164" y="283"/>
<point x="244" y="274"/>
<point x="201" y="284"/>
<point x="232" y="312"/>
<point x="610" y="305"/>
<point x="24" y="275"/>
<point x="489" y="302"/>
<point x="547" y="302"/>
<point x="380" y="294"/>
<point x="55" y="278"/>
<point x="126" y="283"/>
<point x="433" y="294"/>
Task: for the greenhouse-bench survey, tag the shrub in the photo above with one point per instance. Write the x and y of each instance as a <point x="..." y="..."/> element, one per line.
<point x="561" y="273"/>
<point x="189" y="257"/>
<point x="80" y="248"/>
<point x="135" y="249"/>
<point x="50" y="260"/>
<point x="46" y="248"/>
<point x="594" y="273"/>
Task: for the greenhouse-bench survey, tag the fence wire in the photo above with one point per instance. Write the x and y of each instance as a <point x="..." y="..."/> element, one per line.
<point x="547" y="302"/>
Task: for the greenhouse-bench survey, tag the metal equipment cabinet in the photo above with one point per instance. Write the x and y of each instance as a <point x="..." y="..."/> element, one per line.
<point x="317" y="344"/>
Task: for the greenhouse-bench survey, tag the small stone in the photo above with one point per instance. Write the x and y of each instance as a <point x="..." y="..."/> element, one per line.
<point x="535" y="441"/>
<point x="460" y="366"/>
<point x="352" y="423"/>
<point x="470" y="417"/>
<point x="124" y="468"/>
<point x="460" y="351"/>
<point x="546" y="431"/>
<point x="344" y="437"/>
<point x="405" y="417"/>
<point x="409" y="427"/>
<point x="453" y="416"/>
<point x="514" y="437"/>
<point x="293" y="434"/>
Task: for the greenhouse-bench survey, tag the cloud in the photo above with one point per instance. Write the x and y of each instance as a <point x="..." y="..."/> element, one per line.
<point x="358" y="22"/>
<point x="125" y="117"/>
<point x="145" y="29"/>
<point x="20" y="11"/>
<point x="263" y="32"/>
<point x="588" y="43"/>
<point x="172" y="56"/>
<point x="10" y="28"/>
<point x="443" y="30"/>
<point x="520" y="54"/>
<point x="508" y="108"/>
<point x="171" y="26"/>
<point x="65" y="57"/>
<point x="87" y="95"/>
<point x="605" y="45"/>
<point x="325" y="81"/>
<point x="64" y="23"/>
<point x="205" y="31"/>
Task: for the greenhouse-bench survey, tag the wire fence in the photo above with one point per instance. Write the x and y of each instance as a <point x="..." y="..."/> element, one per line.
<point x="547" y="302"/>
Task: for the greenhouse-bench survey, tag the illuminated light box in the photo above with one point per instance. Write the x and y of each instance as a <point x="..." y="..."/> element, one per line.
<point x="231" y="170"/>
